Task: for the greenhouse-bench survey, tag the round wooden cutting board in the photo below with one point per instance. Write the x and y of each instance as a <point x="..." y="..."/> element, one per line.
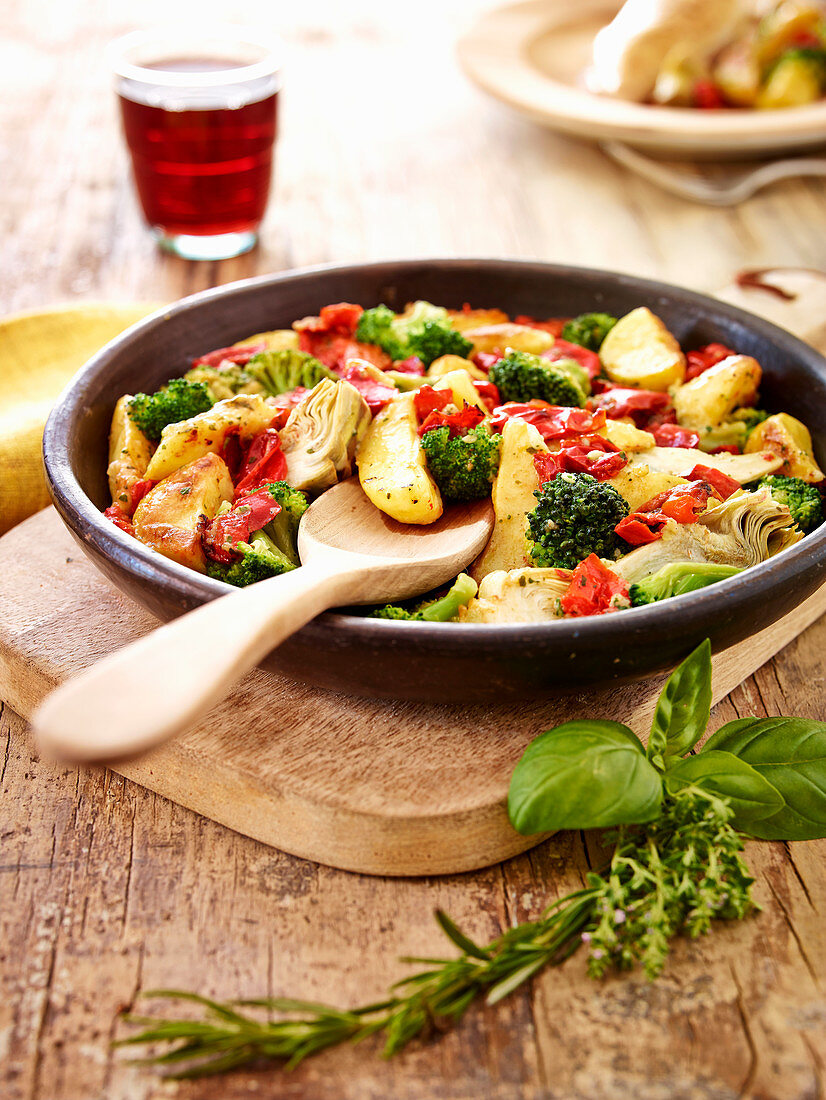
<point x="365" y="785"/>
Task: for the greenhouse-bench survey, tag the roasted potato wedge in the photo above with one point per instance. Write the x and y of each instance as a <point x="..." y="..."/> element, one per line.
<point x="640" y="351"/>
<point x="627" y="437"/>
<point x="445" y="364"/>
<point x="460" y="383"/>
<point x="171" y="517"/>
<point x="207" y="432"/>
<point x="464" y="319"/>
<point x="789" y="440"/>
<point x="129" y="455"/>
<point x="393" y="468"/>
<point x="282" y="339"/>
<point x="509" y="336"/>
<point x="638" y="484"/>
<point x="712" y="396"/>
<point x="513" y="498"/>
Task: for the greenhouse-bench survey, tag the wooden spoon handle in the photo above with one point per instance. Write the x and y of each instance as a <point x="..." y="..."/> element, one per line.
<point x="147" y="692"/>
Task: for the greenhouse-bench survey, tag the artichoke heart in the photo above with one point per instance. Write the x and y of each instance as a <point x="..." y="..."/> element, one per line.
<point x="517" y="596"/>
<point x="744" y="530"/>
<point x="321" y="436"/>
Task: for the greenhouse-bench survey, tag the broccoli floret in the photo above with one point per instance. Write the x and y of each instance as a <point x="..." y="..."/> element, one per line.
<point x="283" y="530"/>
<point x="462" y="466"/>
<point x="588" y="329"/>
<point x="521" y="376"/>
<point x="802" y="499"/>
<point x="442" y="610"/>
<point x="281" y="371"/>
<point x="178" y="400"/>
<point x="436" y="339"/>
<point x="575" y="516"/>
<point x="376" y="327"/>
<point x="225" y="382"/>
<point x="260" y="559"/>
<point x="423" y="330"/>
<point x="676" y="579"/>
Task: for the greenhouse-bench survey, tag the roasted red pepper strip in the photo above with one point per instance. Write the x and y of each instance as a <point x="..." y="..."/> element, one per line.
<point x="488" y="392"/>
<point x="376" y="394"/>
<point x="722" y="484"/>
<point x="484" y="360"/>
<point x="639" y="405"/>
<point x="674" y="435"/>
<point x="707" y="96"/>
<point x="586" y="358"/>
<point x="428" y="400"/>
<point x="335" y="351"/>
<point x="554" y="325"/>
<point x="594" y="590"/>
<point x="249" y="514"/>
<point x="552" y="421"/>
<point x="703" y="358"/>
<point x="459" y="423"/>
<point x="411" y="365"/>
<point x="120" y="519"/>
<point x="683" y="503"/>
<point x="239" y="355"/>
<point x="594" y="456"/>
<point x="264" y="461"/>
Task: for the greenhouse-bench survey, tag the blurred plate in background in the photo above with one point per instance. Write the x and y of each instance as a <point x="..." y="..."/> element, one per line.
<point x="531" y="56"/>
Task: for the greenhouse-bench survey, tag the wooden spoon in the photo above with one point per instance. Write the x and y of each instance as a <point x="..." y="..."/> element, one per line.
<point x="351" y="553"/>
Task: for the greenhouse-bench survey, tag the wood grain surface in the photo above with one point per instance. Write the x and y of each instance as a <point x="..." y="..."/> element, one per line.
<point x="365" y="785"/>
<point x="106" y="888"/>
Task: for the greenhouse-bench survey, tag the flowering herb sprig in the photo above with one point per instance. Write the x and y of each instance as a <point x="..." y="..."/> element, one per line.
<point x="676" y="868"/>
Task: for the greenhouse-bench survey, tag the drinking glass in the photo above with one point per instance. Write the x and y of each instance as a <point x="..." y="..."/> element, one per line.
<point x="199" y="117"/>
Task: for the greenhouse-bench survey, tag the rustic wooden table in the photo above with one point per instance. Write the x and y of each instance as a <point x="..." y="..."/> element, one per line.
<point x="105" y="888"/>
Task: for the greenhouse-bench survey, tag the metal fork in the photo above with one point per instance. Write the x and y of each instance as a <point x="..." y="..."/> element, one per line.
<point x="726" y="192"/>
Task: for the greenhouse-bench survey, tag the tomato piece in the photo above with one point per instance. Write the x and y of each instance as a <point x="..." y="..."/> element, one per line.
<point x="428" y="400"/>
<point x="722" y="484"/>
<point x="342" y="319"/>
<point x="707" y="96"/>
<point x="594" y="590"/>
<point x="459" y="423"/>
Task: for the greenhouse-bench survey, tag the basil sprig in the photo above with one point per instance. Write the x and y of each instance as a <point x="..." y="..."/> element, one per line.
<point x="771" y="772"/>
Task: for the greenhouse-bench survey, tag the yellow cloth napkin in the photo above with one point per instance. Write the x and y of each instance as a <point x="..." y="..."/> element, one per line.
<point x="39" y="353"/>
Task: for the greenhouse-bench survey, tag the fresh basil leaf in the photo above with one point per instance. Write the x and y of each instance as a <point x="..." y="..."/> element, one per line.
<point x="583" y="775"/>
<point x="791" y="754"/>
<point x="683" y="708"/>
<point x="750" y="795"/>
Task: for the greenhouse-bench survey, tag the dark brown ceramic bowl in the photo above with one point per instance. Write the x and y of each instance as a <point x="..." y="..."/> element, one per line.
<point x="436" y="662"/>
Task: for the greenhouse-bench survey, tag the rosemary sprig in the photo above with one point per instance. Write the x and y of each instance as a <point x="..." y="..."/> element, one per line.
<point x="674" y="875"/>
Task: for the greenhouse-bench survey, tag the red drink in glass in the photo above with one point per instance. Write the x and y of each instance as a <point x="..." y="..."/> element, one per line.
<point x="200" y="130"/>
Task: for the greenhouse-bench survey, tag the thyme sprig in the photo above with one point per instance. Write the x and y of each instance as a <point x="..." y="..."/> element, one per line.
<point x="674" y="875"/>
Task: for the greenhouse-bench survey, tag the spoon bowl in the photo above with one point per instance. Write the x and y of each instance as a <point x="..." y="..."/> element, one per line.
<point x="153" y="689"/>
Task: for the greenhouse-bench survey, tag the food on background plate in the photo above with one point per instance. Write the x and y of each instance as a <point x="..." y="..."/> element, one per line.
<point x="623" y="468"/>
<point x="713" y="53"/>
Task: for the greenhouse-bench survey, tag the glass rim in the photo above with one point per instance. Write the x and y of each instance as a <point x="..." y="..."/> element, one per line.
<point x="234" y="34"/>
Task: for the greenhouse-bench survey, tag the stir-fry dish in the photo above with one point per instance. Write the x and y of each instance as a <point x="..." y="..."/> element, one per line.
<point x="713" y="53"/>
<point x="623" y="470"/>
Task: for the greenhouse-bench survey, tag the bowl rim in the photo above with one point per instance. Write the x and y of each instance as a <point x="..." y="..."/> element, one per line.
<point x="726" y="597"/>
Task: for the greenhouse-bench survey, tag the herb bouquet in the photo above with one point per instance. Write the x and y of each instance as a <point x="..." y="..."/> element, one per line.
<point x="678" y="822"/>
